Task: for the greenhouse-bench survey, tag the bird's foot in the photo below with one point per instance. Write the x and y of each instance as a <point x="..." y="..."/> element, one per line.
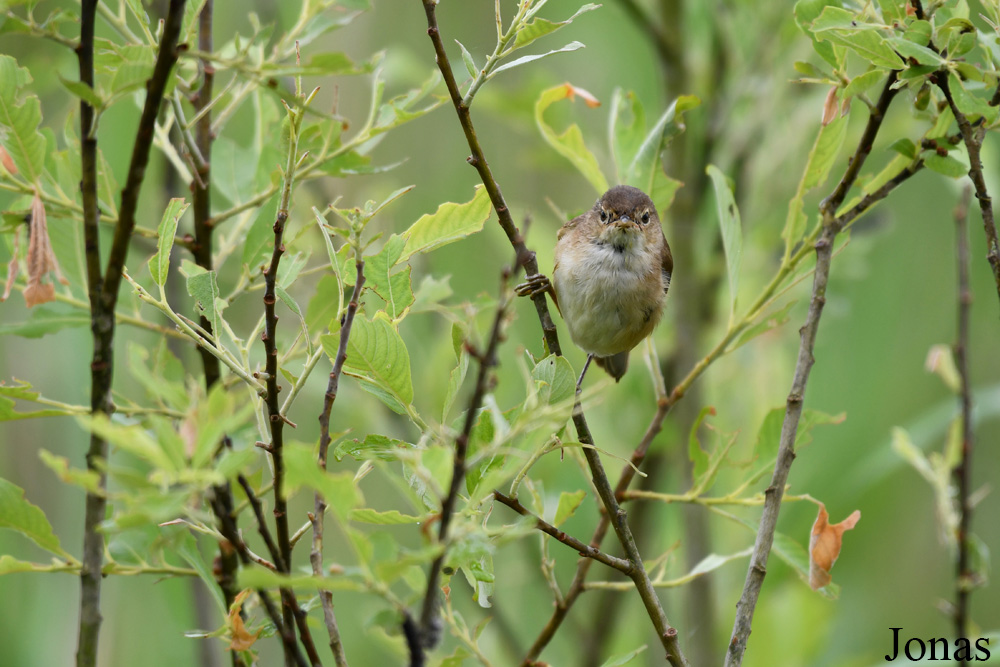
<point x="534" y="285"/>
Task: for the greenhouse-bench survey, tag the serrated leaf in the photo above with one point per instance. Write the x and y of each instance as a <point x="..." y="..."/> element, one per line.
<point x="568" y="503"/>
<point x="395" y="288"/>
<point x="11" y="565"/>
<point x="570" y="143"/>
<point x="134" y="68"/>
<point x="806" y="11"/>
<point x="89" y="480"/>
<point x="389" y="518"/>
<point x="538" y="27"/>
<point x="133" y="439"/>
<point x="83" y="91"/>
<point x="910" y="49"/>
<point x="20" y="118"/>
<point x="159" y="264"/>
<point x="22" y="391"/>
<point x="18" y="514"/>
<point x="448" y="224"/>
<point x="572" y="46"/>
<point x="732" y="231"/>
<point x="867" y="44"/>
<point x="377" y="356"/>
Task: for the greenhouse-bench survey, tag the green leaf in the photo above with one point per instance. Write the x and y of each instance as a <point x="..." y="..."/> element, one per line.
<point x="338" y="489"/>
<point x="448" y="224"/>
<point x="570" y="143"/>
<point x="919" y="32"/>
<point x="558" y="382"/>
<point x="732" y="231"/>
<point x="89" y="480"/>
<point x="11" y="565"/>
<point x="568" y="503"/>
<point x="910" y="49"/>
<point x="188" y="550"/>
<point x="19" y="122"/>
<point x="969" y="103"/>
<point x="699" y="457"/>
<point x="470" y="64"/>
<point x="260" y="236"/>
<point x="457" y="374"/>
<point x="130" y="438"/>
<point x="626" y="129"/>
<point x="772" y="321"/>
<point x="862" y="83"/>
<point x="261" y="577"/>
<point x="538" y="27"/>
<point x="18" y="514"/>
<point x="806" y="11"/>
<point x="394" y="288"/>
<point x="645" y="164"/>
<point x="867" y="44"/>
<point x="204" y="287"/>
<point x="624" y="658"/>
<point x="390" y="518"/>
<point x="134" y="66"/>
<point x="572" y="46"/>
<point x="892" y="10"/>
<point x="322" y="306"/>
<point x="291" y="304"/>
<point x="43" y="320"/>
<point x="377" y="356"/>
<point x="159" y="264"/>
<point x="947" y="165"/>
<point x="83" y="91"/>
<point x="22" y="391"/>
<point x="374" y="446"/>
<point x="821" y="159"/>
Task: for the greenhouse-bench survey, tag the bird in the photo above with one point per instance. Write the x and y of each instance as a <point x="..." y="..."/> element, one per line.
<point x="612" y="272"/>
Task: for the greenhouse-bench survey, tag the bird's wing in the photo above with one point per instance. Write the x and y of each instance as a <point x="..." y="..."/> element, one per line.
<point x="666" y="265"/>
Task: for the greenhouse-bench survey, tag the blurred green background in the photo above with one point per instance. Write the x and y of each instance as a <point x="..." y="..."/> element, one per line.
<point x="891" y="297"/>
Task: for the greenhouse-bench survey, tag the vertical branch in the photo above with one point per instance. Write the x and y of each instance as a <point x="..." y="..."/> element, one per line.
<point x="832" y="225"/>
<point x="93" y="540"/>
<point x="429" y="621"/>
<point x="332" y="387"/>
<point x="202" y="251"/>
<point x="963" y="470"/>
<point x="973" y="138"/>
<point x="103" y="293"/>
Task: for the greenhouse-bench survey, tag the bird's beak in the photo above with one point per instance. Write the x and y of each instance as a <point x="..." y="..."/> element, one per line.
<point x="625" y="222"/>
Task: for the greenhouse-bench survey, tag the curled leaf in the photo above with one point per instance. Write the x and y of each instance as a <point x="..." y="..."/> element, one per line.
<point x="830" y="106"/>
<point x="41" y="259"/>
<point x="241" y="639"/>
<point x="824" y="545"/>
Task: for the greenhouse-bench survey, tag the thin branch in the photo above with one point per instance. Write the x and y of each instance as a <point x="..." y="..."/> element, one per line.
<point x="332" y="387"/>
<point x="100" y="394"/>
<point x="155" y="87"/>
<point x="478" y="160"/>
<point x="429" y="620"/>
<point x="585" y="550"/>
<point x="227" y="526"/>
<point x="973" y="143"/>
<point x="963" y="470"/>
<point x="832" y="225"/>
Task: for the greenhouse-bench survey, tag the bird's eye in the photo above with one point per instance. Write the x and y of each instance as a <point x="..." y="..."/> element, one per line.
<point x="645" y="217"/>
<point x="604" y="216"/>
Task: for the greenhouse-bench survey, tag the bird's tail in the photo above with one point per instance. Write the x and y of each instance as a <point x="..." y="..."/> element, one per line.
<point x="615" y="365"/>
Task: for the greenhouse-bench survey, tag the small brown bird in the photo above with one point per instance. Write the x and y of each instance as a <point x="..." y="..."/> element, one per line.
<point x="612" y="273"/>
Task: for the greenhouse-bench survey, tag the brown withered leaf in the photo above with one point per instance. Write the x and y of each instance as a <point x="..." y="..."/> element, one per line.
<point x="13" y="267"/>
<point x="41" y="259"/>
<point x="241" y="638"/>
<point x="824" y="545"/>
<point x="7" y="162"/>
<point x="830" y="106"/>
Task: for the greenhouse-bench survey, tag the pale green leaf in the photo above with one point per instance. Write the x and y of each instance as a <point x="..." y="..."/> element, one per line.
<point x="159" y="264"/>
<point x="572" y="46"/>
<point x="568" y="504"/>
<point x="89" y="480"/>
<point x="43" y="320"/>
<point x="698" y="456"/>
<point x="20" y="118"/>
<point x="389" y="518"/>
<point x="946" y="165"/>
<point x="338" y="489"/>
<point x="18" y="514"/>
<point x="570" y="143"/>
<point x="132" y="438"/>
<point x="732" y="231"/>
<point x="470" y="64"/>
<point x="623" y="659"/>
<point x="22" y="391"/>
<point x="395" y="288"/>
<point x="449" y="223"/>
<point x="538" y="27"/>
<point x="645" y="164"/>
<point x="11" y="565"/>
<point x="204" y="287"/>
<point x="377" y="356"/>
<point x="821" y="159"/>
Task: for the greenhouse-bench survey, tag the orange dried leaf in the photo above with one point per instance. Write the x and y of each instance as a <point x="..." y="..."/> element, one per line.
<point x="824" y="545"/>
<point x="830" y="106"/>
<point x="13" y="267"/>
<point x="7" y="161"/>
<point x="588" y="99"/>
<point x="241" y="639"/>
